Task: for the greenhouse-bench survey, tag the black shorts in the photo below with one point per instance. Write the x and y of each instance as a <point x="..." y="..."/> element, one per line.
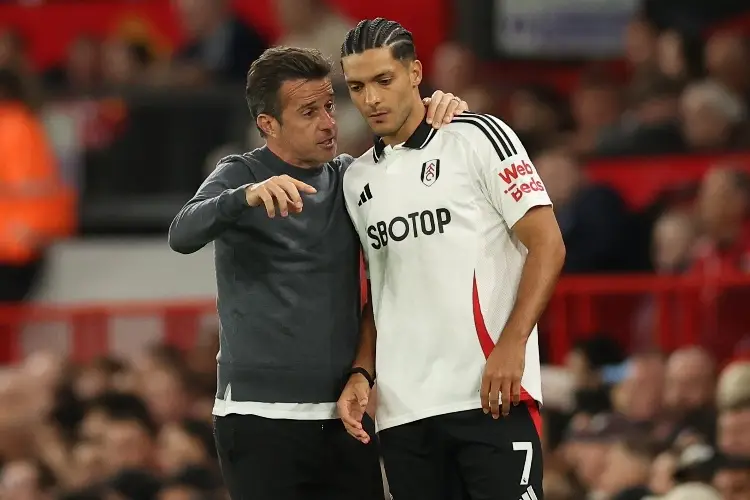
<point x="466" y="455"/>
<point x="270" y="459"/>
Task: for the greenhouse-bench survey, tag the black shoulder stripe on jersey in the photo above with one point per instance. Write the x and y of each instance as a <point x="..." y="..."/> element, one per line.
<point x="493" y="123"/>
<point x="491" y="135"/>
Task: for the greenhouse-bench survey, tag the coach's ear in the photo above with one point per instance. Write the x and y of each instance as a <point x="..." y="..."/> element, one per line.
<point x="267" y="124"/>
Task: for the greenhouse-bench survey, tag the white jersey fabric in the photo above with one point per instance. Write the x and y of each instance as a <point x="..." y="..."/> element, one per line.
<point x="434" y="216"/>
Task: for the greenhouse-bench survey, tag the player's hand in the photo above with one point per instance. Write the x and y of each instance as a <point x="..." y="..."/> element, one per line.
<point x="502" y="376"/>
<point x="282" y="191"/>
<point x="442" y="108"/>
<point x="352" y="406"/>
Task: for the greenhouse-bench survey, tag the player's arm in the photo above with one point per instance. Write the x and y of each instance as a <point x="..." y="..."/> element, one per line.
<point x="540" y="234"/>
<point x="511" y="184"/>
<point x="219" y="202"/>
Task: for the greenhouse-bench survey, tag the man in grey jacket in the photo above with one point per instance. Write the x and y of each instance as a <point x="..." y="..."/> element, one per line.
<point x="287" y="270"/>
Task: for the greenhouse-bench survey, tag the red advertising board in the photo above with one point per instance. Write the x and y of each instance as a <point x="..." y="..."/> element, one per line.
<point x="639" y="180"/>
<point x="49" y="28"/>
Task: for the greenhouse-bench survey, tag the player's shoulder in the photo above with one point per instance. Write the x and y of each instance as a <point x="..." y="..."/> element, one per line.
<point x="478" y="128"/>
<point x="359" y="165"/>
<point x="342" y="162"/>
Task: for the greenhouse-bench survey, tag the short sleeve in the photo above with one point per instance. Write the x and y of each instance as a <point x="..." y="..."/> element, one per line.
<point x="505" y="172"/>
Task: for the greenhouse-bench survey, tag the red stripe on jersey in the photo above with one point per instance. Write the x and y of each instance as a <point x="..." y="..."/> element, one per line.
<point x="535" y="414"/>
<point x="485" y="340"/>
<point x="363" y="289"/>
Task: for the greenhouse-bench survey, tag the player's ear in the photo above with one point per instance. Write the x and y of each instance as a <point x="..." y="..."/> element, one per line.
<point x="268" y="124"/>
<point x="416" y="72"/>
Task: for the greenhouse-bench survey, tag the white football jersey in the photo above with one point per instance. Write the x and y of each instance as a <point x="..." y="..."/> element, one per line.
<point x="434" y="216"/>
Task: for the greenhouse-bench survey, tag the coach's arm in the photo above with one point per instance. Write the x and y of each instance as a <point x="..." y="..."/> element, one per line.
<point x="217" y="204"/>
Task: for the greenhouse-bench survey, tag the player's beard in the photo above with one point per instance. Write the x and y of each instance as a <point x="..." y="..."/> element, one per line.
<point x="400" y="121"/>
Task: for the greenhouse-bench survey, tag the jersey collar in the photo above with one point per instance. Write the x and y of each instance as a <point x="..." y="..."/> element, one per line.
<point x="418" y="140"/>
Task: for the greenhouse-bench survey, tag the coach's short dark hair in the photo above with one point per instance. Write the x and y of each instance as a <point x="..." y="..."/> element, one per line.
<point x="276" y="66"/>
<point x="379" y="33"/>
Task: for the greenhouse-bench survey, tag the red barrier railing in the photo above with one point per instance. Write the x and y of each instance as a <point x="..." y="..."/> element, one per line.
<point x="682" y="311"/>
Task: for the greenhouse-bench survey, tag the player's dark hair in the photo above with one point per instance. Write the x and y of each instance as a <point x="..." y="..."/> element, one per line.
<point x="276" y="66"/>
<point x="379" y="33"/>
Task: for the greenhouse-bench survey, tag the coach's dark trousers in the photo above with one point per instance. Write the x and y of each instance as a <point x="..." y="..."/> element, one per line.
<point x="275" y="459"/>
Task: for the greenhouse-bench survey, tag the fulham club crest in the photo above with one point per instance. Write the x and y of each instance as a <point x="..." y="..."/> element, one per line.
<point x="430" y="172"/>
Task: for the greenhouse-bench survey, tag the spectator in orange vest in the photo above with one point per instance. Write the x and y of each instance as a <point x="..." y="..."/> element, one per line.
<point x="35" y="208"/>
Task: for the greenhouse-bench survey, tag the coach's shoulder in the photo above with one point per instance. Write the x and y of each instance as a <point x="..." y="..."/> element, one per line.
<point x="237" y="167"/>
<point x="342" y="162"/>
<point x="356" y="163"/>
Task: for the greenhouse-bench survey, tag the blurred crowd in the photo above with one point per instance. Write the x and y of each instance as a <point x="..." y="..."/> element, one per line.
<point x="110" y="430"/>
<point x="646" y="426"/>
<point x="617" y="427"/>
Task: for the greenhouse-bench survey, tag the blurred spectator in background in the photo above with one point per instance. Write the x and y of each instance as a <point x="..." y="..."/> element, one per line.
<point x="638" y="396"/>
<point x="732" y="478"/>
<point x="650" y="125"/>
<point x="588" y="444"/>
<point x="455" y="67"/>
<point x="125" y="62"/>
<point x="35" y="210"/>
<point x="537" y="114"/>
<point x="220" y="46"/>
<point x="81" y="71"/>
<point x="723" y="210"/>
<point x="325" y="34"/>
<point x="640" y="45"/>
<point x="13" y="51"/>
<point x="587" y="362"/>
<point x="593" y="218"/>
<point x="688" y="405"/>
<point x="712" y="118"/>
<point x="663" y="468"/>
<point x="693" y="491"/>
<point x="27" y="480"/>
<point x="733" y="400"/>
<point x="595" y="105"/>
<point x="188" y="443"/>
<point x="680" y="56"/>
<point x="672" y="243"/>
<point x="627" y="469"/>
<point x="726" y="58"/>
<point x="690" y="381"/>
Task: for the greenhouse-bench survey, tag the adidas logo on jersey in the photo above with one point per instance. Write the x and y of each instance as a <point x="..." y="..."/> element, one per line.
<point x="529" y="495"/>
<point x="365" y="195"/>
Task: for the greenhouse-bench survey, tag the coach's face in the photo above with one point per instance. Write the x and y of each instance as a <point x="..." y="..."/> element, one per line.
<point x="307" y="129"/>
<point x="382" y="88"/>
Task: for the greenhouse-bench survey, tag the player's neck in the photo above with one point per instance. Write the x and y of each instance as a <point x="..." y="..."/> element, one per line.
<point x="410" y="125"/>
<point x="288" y="157"/>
